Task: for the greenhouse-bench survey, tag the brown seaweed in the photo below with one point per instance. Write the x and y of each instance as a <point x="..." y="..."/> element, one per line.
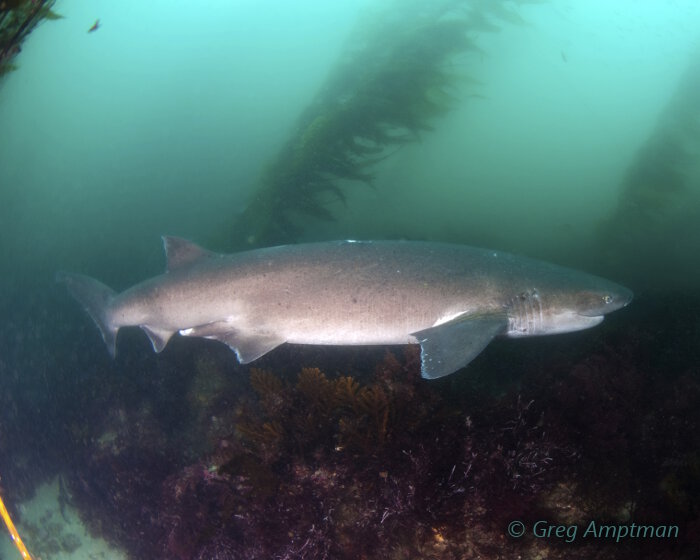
<point x="18" y="18"/>
<point x="395" y="77"/>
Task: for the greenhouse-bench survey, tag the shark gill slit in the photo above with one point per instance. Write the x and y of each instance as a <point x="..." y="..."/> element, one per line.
<point x="537" y="313"/>
<point x="527" y="312"/>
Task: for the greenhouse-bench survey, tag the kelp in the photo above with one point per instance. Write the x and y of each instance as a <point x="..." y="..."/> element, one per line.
<point x="18" y="18"/>
<point x="654" y="227"/>
<point x="662" y="169"/>
<point x="395" y="76"/>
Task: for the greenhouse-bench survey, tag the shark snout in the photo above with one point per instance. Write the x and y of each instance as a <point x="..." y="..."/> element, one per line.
<point x="625" y="297"/>
<point x="617" y="299"/>
<point x="611" y="299"/>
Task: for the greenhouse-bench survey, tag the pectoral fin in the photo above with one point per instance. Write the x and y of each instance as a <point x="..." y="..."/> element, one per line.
<point x="452" y="345"/>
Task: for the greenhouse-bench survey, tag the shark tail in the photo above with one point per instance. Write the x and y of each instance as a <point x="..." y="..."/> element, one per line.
<point x="96" y="299"/>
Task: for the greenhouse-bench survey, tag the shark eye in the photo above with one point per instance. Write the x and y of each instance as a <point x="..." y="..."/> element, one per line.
<point x="607" y="299"/>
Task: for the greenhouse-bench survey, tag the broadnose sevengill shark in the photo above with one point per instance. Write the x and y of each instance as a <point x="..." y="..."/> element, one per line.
<point x="451" y="299"/>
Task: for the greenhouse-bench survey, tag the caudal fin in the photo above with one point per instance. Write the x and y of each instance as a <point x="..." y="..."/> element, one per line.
<point x="96" y="298"/>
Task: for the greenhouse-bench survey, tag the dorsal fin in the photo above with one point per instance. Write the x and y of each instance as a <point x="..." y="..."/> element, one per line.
<point x="180" y="252"/>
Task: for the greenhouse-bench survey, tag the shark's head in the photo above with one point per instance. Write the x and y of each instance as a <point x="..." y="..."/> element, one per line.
<point x="575" y="302"/>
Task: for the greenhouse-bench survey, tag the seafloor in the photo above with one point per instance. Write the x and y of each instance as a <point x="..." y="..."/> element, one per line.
<point x="346" y="453"/>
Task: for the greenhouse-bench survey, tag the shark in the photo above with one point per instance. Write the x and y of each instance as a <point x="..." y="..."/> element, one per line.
<point x="452" y="300"/>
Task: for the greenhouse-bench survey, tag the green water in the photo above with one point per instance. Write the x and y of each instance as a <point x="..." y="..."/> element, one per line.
<point x="573" y="135"/>
<point x="163" y="120"/>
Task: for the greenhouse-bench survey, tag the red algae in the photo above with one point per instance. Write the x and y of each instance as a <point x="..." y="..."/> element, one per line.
<point x="371" y="461"/>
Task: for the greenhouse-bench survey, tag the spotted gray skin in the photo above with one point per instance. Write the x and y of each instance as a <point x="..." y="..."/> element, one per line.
<point x="451" y="299"/>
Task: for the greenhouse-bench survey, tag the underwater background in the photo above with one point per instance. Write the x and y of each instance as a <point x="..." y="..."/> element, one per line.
<point x="567" y="130"/>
